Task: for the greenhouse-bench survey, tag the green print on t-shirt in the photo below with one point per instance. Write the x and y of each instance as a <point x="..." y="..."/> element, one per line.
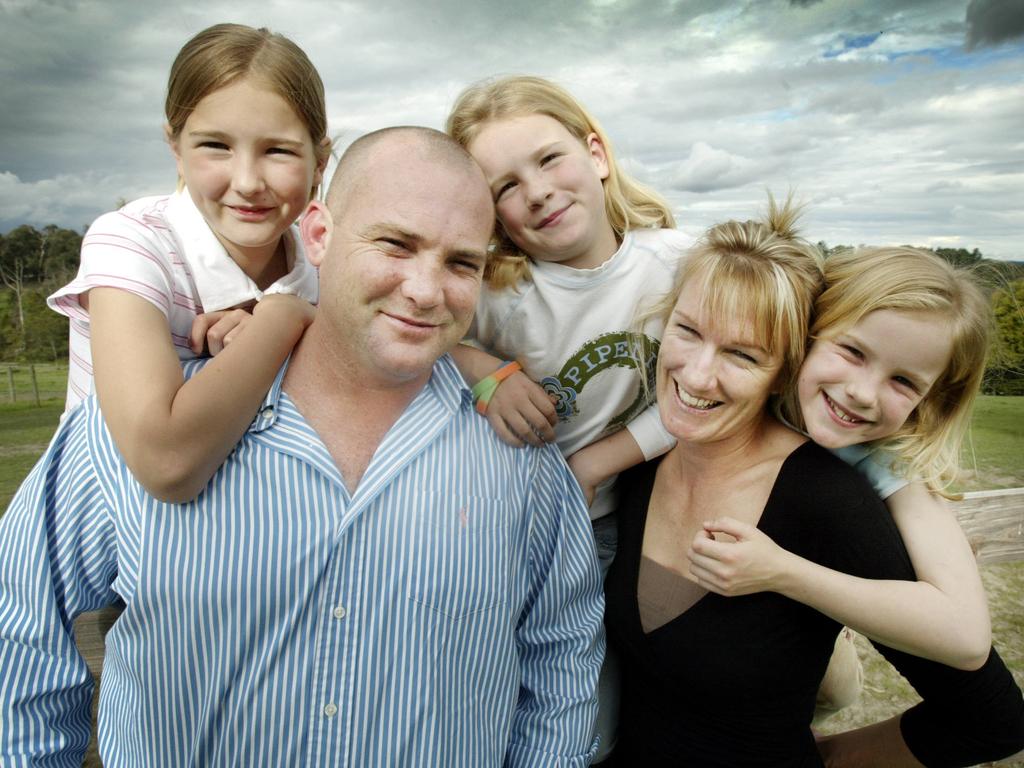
<point x="621" y="349"/>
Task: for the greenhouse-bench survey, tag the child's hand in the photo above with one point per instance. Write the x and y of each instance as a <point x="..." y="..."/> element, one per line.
<point x="749" y="562"/>
<point x="521" y="412"/>
<point x="287" y="308"/>
<point x="212" y="331"/>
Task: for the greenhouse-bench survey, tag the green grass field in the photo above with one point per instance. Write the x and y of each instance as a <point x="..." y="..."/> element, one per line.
<point x="26" y="429"/>
<point x="993" y="457"/>
<point x="24" y="433"/>
<point x="16" y="382"/>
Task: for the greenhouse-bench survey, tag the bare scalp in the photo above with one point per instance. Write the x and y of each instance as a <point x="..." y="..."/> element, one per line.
<point x="421" y="144"/>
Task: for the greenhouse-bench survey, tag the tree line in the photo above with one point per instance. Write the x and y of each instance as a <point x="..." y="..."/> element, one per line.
<point x="35" y="262"/>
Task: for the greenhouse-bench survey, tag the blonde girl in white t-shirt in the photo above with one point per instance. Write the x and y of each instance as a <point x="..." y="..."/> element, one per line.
<point x="579" y="248"/>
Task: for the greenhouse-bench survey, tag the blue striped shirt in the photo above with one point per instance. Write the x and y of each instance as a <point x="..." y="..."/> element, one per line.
<point x="447" y="613"/>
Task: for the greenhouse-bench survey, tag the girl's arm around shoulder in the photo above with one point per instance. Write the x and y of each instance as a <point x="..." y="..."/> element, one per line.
<point x="642" y="439"/>
<point x="946" y="569"/>
<point x="602" y="459"/>
<point x="474" y="363"/>
<point x="917" y="617"/>
<point x="174" y="434"/>
<point x="520" y="411"/>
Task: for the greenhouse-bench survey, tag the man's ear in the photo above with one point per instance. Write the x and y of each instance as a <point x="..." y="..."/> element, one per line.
<point x="316" y="227"/>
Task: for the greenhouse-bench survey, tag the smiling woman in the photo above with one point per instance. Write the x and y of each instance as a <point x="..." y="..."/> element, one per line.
<point x="721" y="681"/>
<point x="718" y="376"/>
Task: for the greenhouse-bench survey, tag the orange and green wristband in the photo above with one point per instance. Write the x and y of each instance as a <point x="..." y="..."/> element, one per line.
<point x="484" y="389"/>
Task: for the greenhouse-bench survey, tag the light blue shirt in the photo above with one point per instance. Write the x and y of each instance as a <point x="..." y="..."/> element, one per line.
<point x="448" y="613"/>
<point x="875" y="465"/>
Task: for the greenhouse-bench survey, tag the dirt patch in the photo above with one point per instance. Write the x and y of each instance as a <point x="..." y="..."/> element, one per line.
<point x="886" y="693"/>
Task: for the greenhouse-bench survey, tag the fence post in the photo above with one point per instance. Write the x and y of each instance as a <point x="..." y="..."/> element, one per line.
<point x="10" y="383"/>
<point x="35" y="385"/>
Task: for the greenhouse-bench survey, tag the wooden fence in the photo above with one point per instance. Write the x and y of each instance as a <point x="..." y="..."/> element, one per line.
<point x="994" y="524"/>
<point x="33" y="382"/>
<point x="12" y="391"/>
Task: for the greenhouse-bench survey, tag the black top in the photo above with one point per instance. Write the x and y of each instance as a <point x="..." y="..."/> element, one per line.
<point x="732" y="680"/>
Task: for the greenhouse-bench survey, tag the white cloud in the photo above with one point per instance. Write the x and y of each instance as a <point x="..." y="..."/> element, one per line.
<point x="901" y="136"/>
<point x="71" y="200"/>
<point x="708" y="168"/>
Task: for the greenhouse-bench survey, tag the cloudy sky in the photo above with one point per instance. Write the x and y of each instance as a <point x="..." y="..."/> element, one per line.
<point x="898" y="121"/>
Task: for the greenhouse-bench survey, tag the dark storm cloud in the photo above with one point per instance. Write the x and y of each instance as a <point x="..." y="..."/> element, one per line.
<point x="73" y="74"/>
<point x="708" y="101"/>
<point x="991" y="22"/>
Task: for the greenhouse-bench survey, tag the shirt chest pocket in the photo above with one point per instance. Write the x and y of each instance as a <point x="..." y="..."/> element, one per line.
<point x="461" y="555"/>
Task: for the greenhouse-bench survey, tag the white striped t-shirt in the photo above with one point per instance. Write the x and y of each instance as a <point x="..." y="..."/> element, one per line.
<point x="161" y="248"/>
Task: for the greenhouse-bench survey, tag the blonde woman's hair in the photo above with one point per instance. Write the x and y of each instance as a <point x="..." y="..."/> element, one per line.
<point x="224" y="53"/>
<point x="859" y="282"/>
<point x="628" y="204"/>
<point x="758" y="269"/>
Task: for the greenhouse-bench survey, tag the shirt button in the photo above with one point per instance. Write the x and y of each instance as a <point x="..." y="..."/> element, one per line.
<point x="268" y="412"/>
<point x="330" y="710"/>
<point x="340" y="612"/>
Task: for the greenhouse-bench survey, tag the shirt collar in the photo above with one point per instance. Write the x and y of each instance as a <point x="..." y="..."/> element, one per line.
<point x="219" y="281"/>
<point x="573" y="277"/>
<point x="267" y="415"/>
<point x="449" y="386"/>
<point x="445" y="384"/>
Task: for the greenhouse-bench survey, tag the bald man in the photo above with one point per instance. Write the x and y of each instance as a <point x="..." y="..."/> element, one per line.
<point x="371" y="579"/>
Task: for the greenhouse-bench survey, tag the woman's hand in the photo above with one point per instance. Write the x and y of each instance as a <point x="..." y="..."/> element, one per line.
<point x="742" y="562"/>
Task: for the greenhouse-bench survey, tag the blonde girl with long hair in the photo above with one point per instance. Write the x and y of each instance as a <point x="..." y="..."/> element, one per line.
<point x="579" y="248"/>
